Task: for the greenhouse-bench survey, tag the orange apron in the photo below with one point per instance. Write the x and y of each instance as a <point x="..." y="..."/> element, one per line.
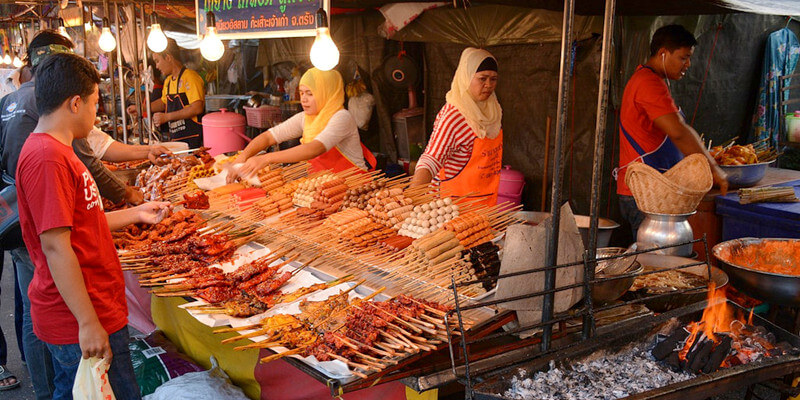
<point x="334" y="160"/>
<point x="480" y="178"/>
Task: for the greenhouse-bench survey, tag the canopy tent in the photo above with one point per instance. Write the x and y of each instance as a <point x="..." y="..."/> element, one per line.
<point x="716" y="93"/>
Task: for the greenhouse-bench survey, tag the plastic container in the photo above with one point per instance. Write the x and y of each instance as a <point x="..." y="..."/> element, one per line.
<point x="511" y="184"/>
<point x="263" y="117"/>
<point x="762" y="220"/>
<point x="793" y="127"/>
<point x="223" y="132"/>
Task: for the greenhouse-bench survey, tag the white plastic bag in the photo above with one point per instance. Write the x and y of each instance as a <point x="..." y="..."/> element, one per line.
<point x="213" y="384"/>
<point x="91" y="381"/>
<point x="360" y="108"/>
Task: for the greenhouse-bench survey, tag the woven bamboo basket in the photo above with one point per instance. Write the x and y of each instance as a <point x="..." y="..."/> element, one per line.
<point x="677" y="191"/>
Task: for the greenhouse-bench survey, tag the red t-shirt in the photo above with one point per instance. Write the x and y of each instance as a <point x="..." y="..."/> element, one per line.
<point x="54" y="189"/>
<point x="646" y="98"/>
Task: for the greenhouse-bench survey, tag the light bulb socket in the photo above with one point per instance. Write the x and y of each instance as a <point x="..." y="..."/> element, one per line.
<point x="153" y="18"/>
<point x="322" y="18"/>
<point x="61" y="22"/>
<point x="211" y="21"/>
<point x="106" y="24"/>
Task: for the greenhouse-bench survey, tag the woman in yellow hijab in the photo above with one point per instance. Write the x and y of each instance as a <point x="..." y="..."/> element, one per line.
<point x="328" y="133"/>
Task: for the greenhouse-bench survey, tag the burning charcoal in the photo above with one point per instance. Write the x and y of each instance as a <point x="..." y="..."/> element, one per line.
<point x="668" y="345"/>
<point x="685" y="363"/>
<point x="770" y="337"/>
<point x="700" y="356"/>
<point x="674" y="362"/>
<point x="719" y="355"/>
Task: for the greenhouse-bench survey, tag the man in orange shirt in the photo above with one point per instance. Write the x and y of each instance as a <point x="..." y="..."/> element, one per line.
<point x="652" y="128"/>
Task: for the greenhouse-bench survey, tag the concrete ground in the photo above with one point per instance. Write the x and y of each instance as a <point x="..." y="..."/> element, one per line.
<point x="25" y="391"/>
<point x="15" y="365"/>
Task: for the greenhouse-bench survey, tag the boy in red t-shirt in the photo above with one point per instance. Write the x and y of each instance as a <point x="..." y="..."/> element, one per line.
<point x="78" y="292"/>
<point x="652" y="129"/>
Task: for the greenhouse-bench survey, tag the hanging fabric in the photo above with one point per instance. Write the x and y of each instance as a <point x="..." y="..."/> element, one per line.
<point x="780" y="58"/>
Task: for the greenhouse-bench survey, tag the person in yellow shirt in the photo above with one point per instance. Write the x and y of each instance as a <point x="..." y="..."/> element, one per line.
<point x="182" y="101"/>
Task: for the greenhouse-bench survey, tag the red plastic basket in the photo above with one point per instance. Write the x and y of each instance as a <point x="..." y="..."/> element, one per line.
<point x="263" y="117"/>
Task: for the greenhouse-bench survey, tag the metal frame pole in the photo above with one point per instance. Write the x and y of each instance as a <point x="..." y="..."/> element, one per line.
<point x="83" y="26"/>
<point x="121" y="76"/>
<point x="137" y="92"/>
<point x="558" y="171"/>
<point x="146" y="92"/>
<point x="111" y="79"/>
<point x="600" y="142"/>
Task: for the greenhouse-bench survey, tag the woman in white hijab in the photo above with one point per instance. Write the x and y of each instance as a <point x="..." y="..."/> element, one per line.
<point x="465" y="151"/>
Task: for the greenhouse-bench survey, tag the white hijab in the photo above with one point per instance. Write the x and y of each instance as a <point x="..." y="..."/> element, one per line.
<point x="483" y="117"/>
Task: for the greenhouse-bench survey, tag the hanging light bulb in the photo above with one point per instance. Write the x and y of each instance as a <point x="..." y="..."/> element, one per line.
<point x="107" y="42"/>
<point x="324" y="53"/>
<point x="7" y="59"/>
<point x="62" y="29"/>
<point x="211" y="47"/>
<point x="156" y="40"/>
<point x="17" y="63"/>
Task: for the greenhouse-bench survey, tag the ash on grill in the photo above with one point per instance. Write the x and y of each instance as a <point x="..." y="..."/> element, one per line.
<point x="721" y="339"/>
<point x="598" y="377"/>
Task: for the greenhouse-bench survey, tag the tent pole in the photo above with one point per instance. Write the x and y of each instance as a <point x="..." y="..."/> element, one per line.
<point x="137" y="88"/>
<point x="599" y="147"/>
<point x="146" y="91"/>
<point x="111" y="80"/>
<point x="558" y="170"/>
<point x="121" y="76"/>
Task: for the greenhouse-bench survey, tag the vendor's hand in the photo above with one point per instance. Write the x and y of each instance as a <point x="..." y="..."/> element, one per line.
<point x="152" y="212"/>
<point x="233" y="173"/>
<point x="160" y="118"/>
<point x="133" y="195"/>
<point x="156" y="151"/>
<point x="132" y="110"/>
<point x="93" y="340"/>
<point x="720" y="179"/>
<point x="253" y="165"/>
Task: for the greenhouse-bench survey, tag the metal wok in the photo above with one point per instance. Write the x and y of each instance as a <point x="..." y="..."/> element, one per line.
<point x="771" y="287"/>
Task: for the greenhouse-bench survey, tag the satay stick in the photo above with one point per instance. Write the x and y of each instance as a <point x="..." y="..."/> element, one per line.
<point x="354" y="365"/>
<point x="284" y="354"/>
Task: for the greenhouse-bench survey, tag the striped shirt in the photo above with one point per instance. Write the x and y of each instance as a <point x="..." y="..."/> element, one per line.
<point x="450" y="146"/>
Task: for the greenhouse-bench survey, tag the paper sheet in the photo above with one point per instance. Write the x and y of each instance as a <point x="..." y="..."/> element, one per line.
<point x="525" y="249"/>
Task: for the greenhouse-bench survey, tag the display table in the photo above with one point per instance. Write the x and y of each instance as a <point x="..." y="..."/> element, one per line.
<point x="762" y="220"/>
<point x="277" y="380"/>
<point x="707" y="220"/>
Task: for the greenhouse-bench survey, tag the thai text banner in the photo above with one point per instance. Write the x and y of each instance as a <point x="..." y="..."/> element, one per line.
<point x="253" y="19"/>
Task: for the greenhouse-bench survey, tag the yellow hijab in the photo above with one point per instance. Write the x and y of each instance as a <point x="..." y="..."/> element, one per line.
<point x="483" y="117"/>
<point x="328" y="91"/>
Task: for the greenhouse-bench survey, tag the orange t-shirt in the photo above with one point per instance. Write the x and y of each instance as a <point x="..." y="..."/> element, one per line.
<point x="646" y="97"/>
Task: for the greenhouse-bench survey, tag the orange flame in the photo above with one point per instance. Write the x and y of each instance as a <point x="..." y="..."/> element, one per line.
<point x="718" y="315"/>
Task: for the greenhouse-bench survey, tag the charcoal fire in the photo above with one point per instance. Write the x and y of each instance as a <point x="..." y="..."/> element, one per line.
<point x="601" y="377"/>
<point x="721" y="339"/>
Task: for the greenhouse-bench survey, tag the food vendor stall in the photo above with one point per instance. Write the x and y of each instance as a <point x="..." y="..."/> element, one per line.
<point x="340" y="229"/>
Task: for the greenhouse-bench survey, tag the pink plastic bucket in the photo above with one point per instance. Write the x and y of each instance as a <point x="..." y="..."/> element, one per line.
<point x="223" y="132"/>
<point x="511" y="184"/>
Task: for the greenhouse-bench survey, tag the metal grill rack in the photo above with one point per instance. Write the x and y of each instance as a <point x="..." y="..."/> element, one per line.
<point x="461" y="362"/>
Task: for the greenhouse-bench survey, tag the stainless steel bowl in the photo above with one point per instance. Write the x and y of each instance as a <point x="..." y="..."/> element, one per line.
<point x="740" y="176"/>
<point x="607" y="291"/>
<point x="604" y="229"/>
<point x="774" y="288"/>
